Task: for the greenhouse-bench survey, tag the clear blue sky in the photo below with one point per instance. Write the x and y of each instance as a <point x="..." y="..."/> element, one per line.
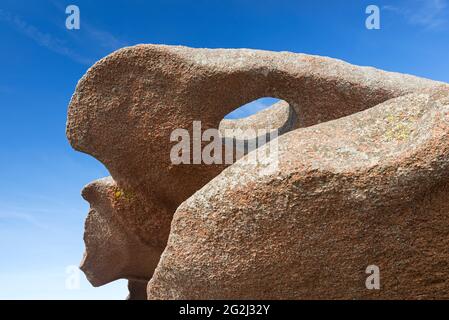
<point x="41" y="211"/>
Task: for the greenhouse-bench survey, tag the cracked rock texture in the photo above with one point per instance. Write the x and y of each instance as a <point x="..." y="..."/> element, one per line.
<point x="361" y="180"/>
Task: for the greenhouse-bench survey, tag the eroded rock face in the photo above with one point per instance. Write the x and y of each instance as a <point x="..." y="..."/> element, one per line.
<point x="125" y="235"/>
<point x="369" y="189"/>
<point x="128" y="104"/>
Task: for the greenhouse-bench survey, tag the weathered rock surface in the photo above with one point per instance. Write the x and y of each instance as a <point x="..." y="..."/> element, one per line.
<point x="127" y="105"/>
<point x="369" y="189"/>
<point x="124" y="235"/>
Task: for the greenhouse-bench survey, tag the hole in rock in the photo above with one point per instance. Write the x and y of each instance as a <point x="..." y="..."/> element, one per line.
<point x="251" y="108"/>
<point x="255" y="124"/>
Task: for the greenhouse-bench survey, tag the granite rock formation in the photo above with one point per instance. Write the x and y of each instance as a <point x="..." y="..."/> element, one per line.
<point x="125" y="236"/>
<point x="370" y="189"/>
<point x="350" y="187"/>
